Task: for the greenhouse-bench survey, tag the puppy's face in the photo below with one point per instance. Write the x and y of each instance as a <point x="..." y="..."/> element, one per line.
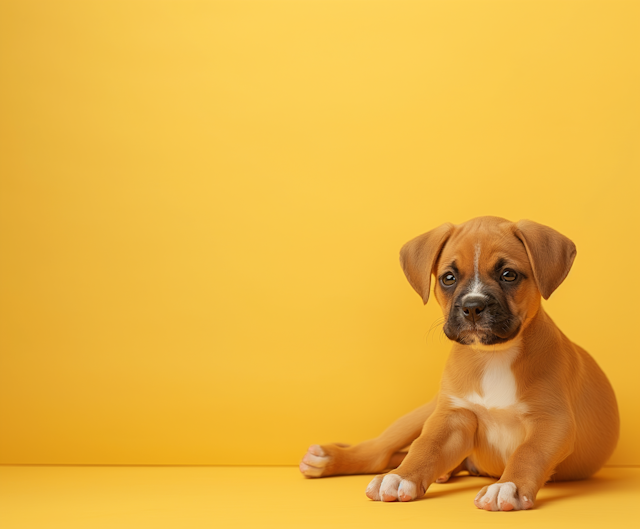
<point x="485" y="285"/>
<point x="489" y="274"/>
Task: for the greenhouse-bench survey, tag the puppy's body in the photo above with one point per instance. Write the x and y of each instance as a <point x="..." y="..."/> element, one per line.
<point x="565" y="397"/>
<point x="518" y="400"/>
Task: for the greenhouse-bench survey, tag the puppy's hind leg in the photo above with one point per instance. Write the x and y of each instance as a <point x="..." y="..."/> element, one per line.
<point x="369" y="457"/>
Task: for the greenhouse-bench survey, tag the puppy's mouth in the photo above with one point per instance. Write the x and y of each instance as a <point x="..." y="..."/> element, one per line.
<point x="476" y="334"/>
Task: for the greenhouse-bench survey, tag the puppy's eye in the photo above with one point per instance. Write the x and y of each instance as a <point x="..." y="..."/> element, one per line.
<point x="508" y="275"/>
<point x="448" y="279"/>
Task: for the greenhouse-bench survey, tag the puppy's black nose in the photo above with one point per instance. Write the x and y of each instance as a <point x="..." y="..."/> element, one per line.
<point x="472" y="307"/>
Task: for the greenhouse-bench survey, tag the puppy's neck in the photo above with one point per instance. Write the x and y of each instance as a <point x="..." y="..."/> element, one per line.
<point x="507" y="347"/>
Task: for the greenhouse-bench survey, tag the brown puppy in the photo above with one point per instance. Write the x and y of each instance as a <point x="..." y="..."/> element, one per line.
<point x="518" y="400"/>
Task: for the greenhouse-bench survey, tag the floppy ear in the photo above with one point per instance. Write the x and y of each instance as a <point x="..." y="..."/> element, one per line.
<point x="551" y="254"/>
<point x="419" y="255"/>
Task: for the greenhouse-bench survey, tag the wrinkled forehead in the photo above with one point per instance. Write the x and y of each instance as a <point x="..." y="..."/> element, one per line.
<point x="483" y="249"/>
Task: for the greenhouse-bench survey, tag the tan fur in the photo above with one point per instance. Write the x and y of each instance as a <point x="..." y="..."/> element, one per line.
<point x="559" y="421"/>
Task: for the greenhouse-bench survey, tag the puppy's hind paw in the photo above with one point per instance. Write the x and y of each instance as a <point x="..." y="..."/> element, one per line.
<point x="314" y="462"/>
<point x="320" y="461"/>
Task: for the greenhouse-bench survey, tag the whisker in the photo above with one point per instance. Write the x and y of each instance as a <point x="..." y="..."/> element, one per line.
<point x="434" y="326"/>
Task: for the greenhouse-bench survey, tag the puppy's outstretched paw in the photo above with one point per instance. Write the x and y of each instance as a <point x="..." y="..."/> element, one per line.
<point x="319" y="460"/>
<point x="392" y="487"/>
<point x="502" y="497"/>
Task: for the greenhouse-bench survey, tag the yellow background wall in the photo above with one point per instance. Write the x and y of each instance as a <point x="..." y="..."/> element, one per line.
<point x="202" y="205"/>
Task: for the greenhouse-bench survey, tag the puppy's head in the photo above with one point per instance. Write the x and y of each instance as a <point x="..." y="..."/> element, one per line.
<point x="489" y="274"/>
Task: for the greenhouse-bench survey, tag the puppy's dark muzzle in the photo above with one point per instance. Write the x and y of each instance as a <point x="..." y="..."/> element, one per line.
<point x="480" y="317"/>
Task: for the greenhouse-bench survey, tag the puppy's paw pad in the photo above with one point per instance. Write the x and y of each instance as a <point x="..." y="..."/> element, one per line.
<point x="502" y="497"/>
<point x="391" y="487"/>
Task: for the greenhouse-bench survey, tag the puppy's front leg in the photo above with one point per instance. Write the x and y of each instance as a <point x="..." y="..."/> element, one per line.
<point x="548" y="442"/>
<point x="446" y="439"/>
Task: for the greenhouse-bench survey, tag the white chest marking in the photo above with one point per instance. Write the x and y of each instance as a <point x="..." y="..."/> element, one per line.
<point x="499" y="391"/>
<point x="498" y="383"/>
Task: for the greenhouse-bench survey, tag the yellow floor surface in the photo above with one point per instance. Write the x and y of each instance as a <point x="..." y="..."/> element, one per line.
<point x="50" y="497"/>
